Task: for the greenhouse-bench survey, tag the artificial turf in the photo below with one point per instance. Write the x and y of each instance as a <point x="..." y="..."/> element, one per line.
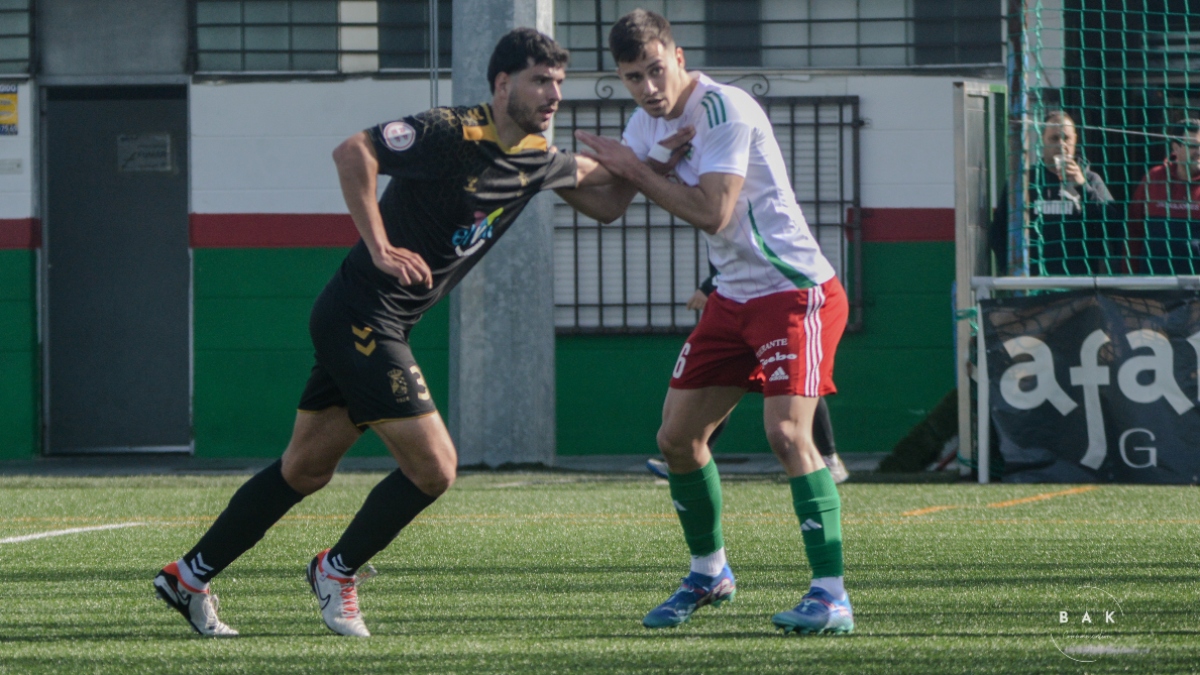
<point x="551" y="573"/>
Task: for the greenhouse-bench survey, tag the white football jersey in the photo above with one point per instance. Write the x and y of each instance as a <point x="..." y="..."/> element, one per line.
<point x="767" y="246"/>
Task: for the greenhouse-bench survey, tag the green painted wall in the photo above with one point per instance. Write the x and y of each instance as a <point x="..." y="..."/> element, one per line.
<point x="253" y="353"/>
<point x="611" y="388"/>
<point x="20" y="391"/>
<point x="253" y="357"/>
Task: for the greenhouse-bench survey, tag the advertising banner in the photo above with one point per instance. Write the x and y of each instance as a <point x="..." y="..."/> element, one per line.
<point x="1095" y="386"/>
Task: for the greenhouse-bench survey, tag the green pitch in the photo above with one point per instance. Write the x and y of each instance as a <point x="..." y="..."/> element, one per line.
<point x="551" y="573"/>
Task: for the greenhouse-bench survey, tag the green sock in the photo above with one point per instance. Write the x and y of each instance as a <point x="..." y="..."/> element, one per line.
<point x="697" y="497"/>
<point x="819" y="508"/>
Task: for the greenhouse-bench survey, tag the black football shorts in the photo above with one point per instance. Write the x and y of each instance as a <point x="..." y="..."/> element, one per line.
<point x="373" y="375"/>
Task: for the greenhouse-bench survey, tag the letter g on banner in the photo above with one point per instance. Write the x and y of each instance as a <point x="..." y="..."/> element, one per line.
<point x="1041" y="368"/>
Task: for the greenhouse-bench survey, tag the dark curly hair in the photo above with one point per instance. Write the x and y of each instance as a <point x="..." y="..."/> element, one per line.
<point x="518" y="47"/>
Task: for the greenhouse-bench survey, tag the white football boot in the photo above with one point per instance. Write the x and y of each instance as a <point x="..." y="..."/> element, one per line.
<point x="338" y="597"/>
<point x="837" y="470"/>
<point x="198" y="607"/>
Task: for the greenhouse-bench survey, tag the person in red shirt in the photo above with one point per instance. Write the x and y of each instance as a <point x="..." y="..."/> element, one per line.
<point x="1167" y="206"/>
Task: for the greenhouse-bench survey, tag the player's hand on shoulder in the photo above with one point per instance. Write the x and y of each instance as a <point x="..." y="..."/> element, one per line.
<point x="407" y="266"/>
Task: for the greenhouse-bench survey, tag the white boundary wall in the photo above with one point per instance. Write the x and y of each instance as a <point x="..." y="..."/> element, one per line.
<point x="17" y="168"/>
<point x="264" y="147"/>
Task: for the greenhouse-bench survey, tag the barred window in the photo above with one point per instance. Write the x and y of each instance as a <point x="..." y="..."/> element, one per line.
<point x="799" y="33"/>
<point x="318" y="36"/>
<point x="636" y="274"/>
<point x="14" y="37"/>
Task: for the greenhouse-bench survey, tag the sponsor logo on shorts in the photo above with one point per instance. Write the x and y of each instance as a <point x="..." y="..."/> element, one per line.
<point x="781" y="342"/>
<point x="780" y="374"/>
<point x="399" y="136"/>
<point x="399" y="385"/>
<point x="367" y="346"/>
<point x="778" y="357"/>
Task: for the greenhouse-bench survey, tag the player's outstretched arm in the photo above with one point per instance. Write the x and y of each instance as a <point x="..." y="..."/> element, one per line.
<point x="358" y="173"/>
<point x="708" y="206"/>
<point x="601" y="195"/>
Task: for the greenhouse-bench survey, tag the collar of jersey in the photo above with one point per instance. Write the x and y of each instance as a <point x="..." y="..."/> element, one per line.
<point x="488" y="132"/>
<point x="703" y="84"/>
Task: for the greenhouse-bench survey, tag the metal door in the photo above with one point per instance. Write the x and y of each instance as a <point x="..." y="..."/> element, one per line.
<point x="117" y="312"/>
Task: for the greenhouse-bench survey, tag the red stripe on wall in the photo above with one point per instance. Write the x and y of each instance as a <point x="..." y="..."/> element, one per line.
<point x="900" y="225"/>
<point x="271" y="230"/>
<point x="20" y="233"/>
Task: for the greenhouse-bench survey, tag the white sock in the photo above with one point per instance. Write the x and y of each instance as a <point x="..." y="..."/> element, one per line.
<point x="831" y="585"/>
<point x="186" y="576"/>
<point x="711" y="564"/>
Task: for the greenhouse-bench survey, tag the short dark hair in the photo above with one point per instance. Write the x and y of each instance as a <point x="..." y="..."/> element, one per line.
<point x="518" y="47"/>
<point x="632" y="32"/>
<point x="1183" y="128"/>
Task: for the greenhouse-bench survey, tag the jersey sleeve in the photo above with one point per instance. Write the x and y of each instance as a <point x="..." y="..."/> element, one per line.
<point x="415" y="146"/>
<point x="561" y="172"/>
<point x="637" y="136"/>
<point x="726" y="149"/>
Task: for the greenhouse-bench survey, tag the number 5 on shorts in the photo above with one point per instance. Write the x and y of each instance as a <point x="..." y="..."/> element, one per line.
<point x="679" y="365"/>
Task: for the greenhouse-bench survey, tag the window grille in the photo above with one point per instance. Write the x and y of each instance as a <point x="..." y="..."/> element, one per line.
<point x="799" y="33"/>
<point x="318" y="36"/>
<point x="636" y="274"/>
<point x="15" y="37"/>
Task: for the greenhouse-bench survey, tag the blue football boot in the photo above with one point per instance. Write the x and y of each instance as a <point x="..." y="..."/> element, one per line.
<point x="696" y="591"/>
<point x="658" y="468"/>
<point x="818" y="612"/>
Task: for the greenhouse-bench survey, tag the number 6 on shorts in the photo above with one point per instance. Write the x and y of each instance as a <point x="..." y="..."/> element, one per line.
<point x="679" y="365"/>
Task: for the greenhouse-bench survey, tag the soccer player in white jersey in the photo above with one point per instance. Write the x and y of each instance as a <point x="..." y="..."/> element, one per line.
<point x="772" y="325"/>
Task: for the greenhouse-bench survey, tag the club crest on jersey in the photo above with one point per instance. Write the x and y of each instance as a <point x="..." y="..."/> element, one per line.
<point x="399" y="136"/>
<point x="467" y="240"/>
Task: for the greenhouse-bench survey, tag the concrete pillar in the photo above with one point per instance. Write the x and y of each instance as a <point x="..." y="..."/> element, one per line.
<point x="502" y="314"/>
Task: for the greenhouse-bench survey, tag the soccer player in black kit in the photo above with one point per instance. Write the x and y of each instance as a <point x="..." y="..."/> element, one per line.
<point x="460" y="176"/>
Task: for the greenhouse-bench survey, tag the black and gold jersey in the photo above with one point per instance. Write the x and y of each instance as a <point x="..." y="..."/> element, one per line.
<point x="454" y="190"/>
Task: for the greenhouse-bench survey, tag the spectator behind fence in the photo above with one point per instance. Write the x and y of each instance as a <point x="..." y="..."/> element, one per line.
<point x="1166" y="206"/>
<point x="1068" y="201"/>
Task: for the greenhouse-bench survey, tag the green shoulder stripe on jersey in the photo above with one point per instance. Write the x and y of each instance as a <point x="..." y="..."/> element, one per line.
<point x="793" y="275"/>
<point x="714" y="106"/>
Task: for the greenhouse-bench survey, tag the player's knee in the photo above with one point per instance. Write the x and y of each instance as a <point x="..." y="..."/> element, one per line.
<point x="306" y="480"/>
<point x="782" y="438"/>
<point x="435" y="482"/>
<point x="670" y="443"/>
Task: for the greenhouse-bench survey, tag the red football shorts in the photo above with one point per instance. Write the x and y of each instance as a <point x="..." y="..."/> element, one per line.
<point x="779" y="344"/>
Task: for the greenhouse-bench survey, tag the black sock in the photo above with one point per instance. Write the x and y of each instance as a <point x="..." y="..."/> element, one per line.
<point x="254" y="508"/>
<point x="391" y="505"/>
<point x="823" y="429"/>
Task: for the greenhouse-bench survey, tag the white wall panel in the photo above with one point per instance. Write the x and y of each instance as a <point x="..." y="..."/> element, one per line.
<point x="264" y="147"/>
<point x="16" y="161"/>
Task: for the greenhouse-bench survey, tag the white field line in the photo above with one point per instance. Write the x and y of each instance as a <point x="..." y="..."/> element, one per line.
<point x="59" y="533"/>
